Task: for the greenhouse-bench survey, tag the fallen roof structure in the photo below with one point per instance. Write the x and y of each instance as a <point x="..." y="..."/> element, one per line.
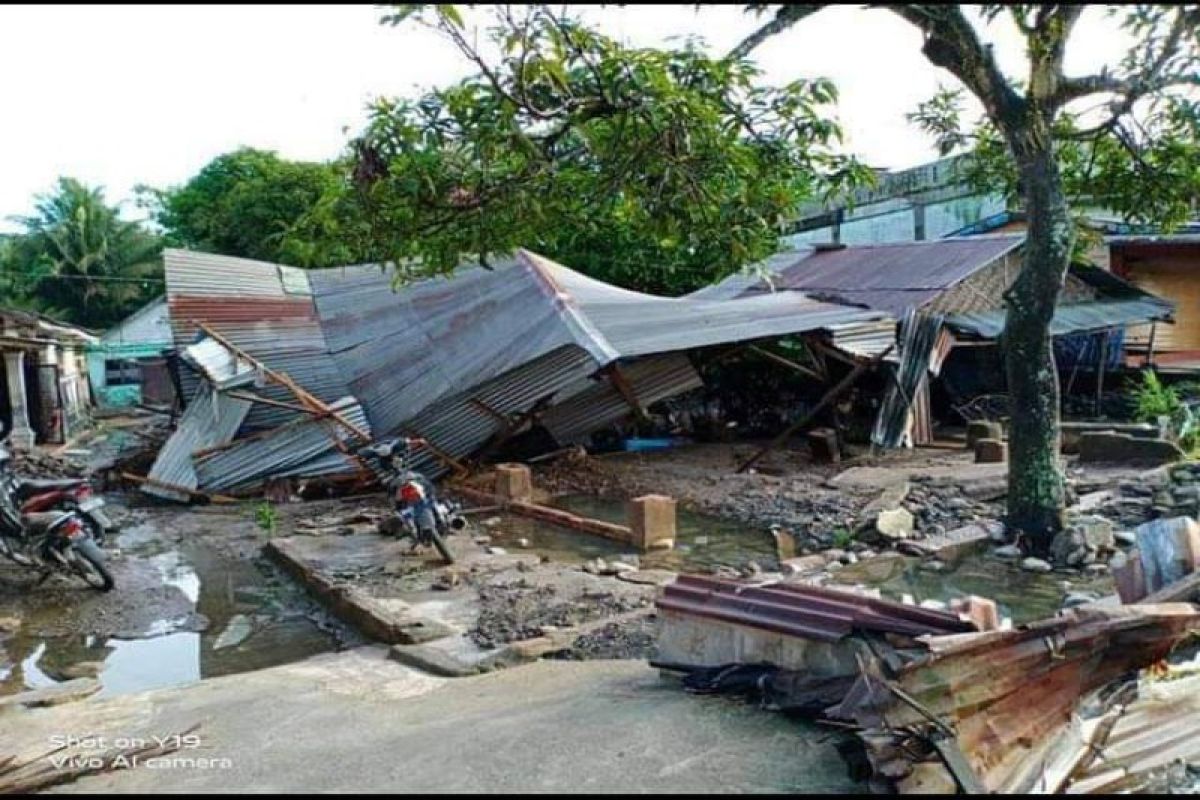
<point x="952" y="289"/>
<point x="937" y="705"/>
<point x="461" y="360"/>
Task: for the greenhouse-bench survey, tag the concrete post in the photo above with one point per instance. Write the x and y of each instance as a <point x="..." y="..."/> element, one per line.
<point x="22" y="435"/>
<point x="514" y="482"/>
<point x="652" y="520"/>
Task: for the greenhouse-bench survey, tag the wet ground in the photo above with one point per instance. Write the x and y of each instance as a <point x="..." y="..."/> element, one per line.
<point x="1021" y="596"/>
<point x="189" y="604"/>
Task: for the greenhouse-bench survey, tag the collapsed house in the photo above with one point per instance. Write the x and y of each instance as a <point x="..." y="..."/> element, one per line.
<point x="285" y="370"/>
<point x="949" y="294"/>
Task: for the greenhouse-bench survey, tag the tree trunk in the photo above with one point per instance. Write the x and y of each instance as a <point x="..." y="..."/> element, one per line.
<point x="1036" y="492"/>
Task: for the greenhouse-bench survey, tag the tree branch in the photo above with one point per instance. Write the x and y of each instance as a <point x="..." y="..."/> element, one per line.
<point x="785" y="17"/>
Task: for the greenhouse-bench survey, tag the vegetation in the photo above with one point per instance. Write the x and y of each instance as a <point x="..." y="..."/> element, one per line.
<point x="1035" y="121"/>
<point x="78" y="260"/>
<point x="266" y="517"/>
<point x="1180" y="405"/>
<point x="253" y="204"/>
<point x="658" y="170"/>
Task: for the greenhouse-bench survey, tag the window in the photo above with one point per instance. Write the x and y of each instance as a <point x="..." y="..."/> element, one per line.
<point x="122" y="372"/>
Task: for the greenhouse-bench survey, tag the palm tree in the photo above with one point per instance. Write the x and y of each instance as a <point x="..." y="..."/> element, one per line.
<point x="77" y="256"/>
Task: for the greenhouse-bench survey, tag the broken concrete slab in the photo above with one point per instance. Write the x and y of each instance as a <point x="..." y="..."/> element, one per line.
<point x="433" y="660"/>
<point x="1105" y="447"/>
<point x="1072" y="432"/>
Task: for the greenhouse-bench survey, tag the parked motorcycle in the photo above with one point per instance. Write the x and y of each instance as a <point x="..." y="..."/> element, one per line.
<point x="34" y="495"/>
<point x="52" y="541"/>
<point x="417" y="513"/>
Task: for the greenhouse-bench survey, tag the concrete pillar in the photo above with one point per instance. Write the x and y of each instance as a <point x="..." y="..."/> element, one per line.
<point x="991" y="451"/>
<point x="22" y="434"/>
<point x="652" y="520"/>
<point x="823" y="446"/>
<point x="514" y="482"/>
<point x="983" y="429"/>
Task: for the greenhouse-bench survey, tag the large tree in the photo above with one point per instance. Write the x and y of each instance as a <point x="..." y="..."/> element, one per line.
<point x="254" y="204"/>
<point x="660" y="170"/>
<point x="1032" y="116"/>
<point x="79" y="260"/>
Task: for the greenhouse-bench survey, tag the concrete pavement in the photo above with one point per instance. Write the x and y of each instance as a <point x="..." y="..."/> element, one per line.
<point x="355" y="721"/>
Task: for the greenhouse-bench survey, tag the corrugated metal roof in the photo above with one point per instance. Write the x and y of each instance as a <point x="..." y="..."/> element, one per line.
<point x="211" y="419"/>
<point x="598" y="403"/>
<point x="221" y="367"/>
<point x="891" y="277"/>
<point x="1077" y="318"/>
<point x="809" y="612"/>
<point x="304" y="448"/>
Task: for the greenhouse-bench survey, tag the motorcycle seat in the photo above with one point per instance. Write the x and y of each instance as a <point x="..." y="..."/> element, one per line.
<point x="28" y="487"/>
<point x="44" y="520"/>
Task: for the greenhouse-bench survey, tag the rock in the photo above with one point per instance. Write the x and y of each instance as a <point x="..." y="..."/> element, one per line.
<point x="1008" y="551"/>
<point x="447" y="580"/>
<point x="596" y="566"/>
<point x="834" y="566"/>
<point x="1096" y="569"/>
<point x="850" y="558"/>
<point x="833" y="554"/>
<point x="523" y="542"/>
<point x="1110" y="447"/>
<point x="617" y="567"/>
<point x="1036" y="565"/>
<point x="236" y="632"/>
<point x="9" y="624"/>
<point x="933" y="566"/>
<point x="896" y="523"/>
<point x="802" y="565"/>
<point x="497" y="551"/>
<point x="1098" y="532"/>
<point x="491" y="522"/>
<point x="484" y="540"/>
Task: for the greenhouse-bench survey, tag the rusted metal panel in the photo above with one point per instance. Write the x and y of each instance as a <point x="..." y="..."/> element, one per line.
<point x="806" y="611"/>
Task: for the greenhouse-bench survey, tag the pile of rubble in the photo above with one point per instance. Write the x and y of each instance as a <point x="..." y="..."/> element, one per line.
<point x="44" y="464"/>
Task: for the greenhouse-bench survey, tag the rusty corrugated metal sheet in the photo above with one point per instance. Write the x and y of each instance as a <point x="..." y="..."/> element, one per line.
<point x="809" y="612"/>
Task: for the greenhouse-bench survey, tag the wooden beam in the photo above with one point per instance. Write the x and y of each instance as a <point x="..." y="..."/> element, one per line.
<point x="215" y="498"/>
<point x="625" y="388"/>
<point x="787" y="362"/>
<point x="254" y="398"/>
<point x="445" y="458"/>
<point x="491" y="412"/>
<point x="828" y="398"/>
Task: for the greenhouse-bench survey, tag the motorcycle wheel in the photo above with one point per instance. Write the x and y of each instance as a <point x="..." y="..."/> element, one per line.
<point x="94" y="529"/>
<point x="440" y="544"/>
<point x="87" y="560"/>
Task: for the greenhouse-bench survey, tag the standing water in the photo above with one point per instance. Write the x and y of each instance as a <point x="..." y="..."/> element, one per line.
<point x="204" y="614"/>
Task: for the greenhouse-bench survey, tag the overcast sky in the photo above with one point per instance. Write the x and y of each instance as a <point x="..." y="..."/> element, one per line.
<point x="120" y="95"/>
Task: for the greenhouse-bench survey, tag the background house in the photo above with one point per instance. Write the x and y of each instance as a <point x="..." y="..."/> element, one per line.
<point x="127" y="365"/>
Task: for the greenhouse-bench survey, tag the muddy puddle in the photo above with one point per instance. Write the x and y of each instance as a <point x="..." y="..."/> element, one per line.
<point x="188" y="613"/>
<point x="1022" y="596"/>
<point x="701" y="542"/>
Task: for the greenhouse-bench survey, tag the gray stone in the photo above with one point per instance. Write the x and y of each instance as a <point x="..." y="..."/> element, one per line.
<point x="1126" y="538"/>
<point x="1078" y="599"/>
<point x="1097" y="531"/>
<point x="896" y="523"/>
<point x="933" y="566"/>
<point x="1036" y="565"/>
<point x="236" y="632"/>
<point x="496" y="551"/>
<point x="834" y="566"/>
<point x="1008" y="551"/>
<point x="9" y="624"/>
<point x="418" y="630"/>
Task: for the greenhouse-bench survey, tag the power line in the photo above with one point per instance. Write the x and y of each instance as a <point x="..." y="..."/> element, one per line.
<point x="95" y="278"/>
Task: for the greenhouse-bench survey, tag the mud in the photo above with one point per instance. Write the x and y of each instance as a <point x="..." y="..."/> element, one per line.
<point x="511" y="612"/>
<point x="634" y="639"/>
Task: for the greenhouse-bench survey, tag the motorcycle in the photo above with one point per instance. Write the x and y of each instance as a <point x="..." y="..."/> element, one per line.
<point x="417" y="512"/>
<point x="52" y="541"/>
<point x="33" y="495"/>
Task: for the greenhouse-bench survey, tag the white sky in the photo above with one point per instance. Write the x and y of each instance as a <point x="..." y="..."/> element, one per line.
<point x="120" y="95"/>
